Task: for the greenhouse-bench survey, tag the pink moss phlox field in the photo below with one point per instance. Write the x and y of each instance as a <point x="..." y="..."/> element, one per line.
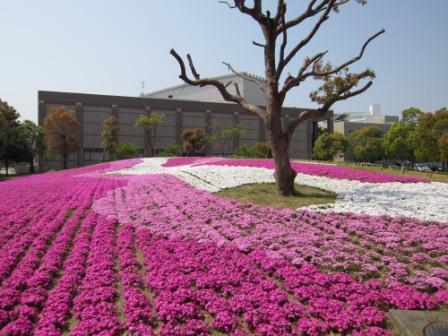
<point x="367" y="247"/>
<point x="331" y="171"/>
<point x="84" y="253"/>
<point x="251" y="293"/>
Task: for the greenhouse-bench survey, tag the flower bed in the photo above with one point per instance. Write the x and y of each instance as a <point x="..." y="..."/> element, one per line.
<point x="331" y="171"/>
<point x="424" y="201"/>
<point x="98" y="250"/>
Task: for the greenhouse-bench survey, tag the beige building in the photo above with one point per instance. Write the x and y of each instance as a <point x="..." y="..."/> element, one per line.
<point x="183" y="106"/>
<point x="357" y="120"/>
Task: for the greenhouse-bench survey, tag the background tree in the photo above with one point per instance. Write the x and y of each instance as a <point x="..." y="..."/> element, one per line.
<point x="429" y="128"/>
<point x="443" y="149"/>
<point x="109" y="136"/>
<point x="223" y="137"/>
<point x="61" y="130"/>
<point x="11" y="145"/>
<point x="338" y="83"/>
<point x="367" y="144"/>
<point x="150" y="124"/>
<point x="397" y="143"/>
<point x="126" y="150"/>
<point x="328" y="145"/>
<point x="171" y="150"/>
<point x="32" y="136"/>
<point x="411" y="115"/>
<point x="194" y="141"/>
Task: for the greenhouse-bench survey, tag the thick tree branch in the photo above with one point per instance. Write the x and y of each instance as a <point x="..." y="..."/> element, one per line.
<point x="222" y="88"/>
<point x="193" y="69"/>
<point x="281" y="16"/>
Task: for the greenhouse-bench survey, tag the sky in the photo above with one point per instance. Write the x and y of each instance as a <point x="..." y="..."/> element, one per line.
<point x="111" y="46"/>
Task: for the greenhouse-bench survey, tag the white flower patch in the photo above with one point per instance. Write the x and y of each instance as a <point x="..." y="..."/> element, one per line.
<point x="425" y="201"/>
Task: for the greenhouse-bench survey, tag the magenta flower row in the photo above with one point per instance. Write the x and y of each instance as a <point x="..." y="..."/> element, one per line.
<point x="331" y="171"/>
<point x="87" y="254"/>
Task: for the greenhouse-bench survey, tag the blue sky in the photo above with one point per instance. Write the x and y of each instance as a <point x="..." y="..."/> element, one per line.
<point x="110" y="46"/>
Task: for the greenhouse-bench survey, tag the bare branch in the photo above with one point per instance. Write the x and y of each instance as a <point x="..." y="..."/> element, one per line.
<point x="322" y="111"/>
<point x="324" y="17"/>
<point x="309" y="12"/>
<point x="217" y="84"/>
<point x="281" y="14"/>
<point x="314" y="8"/>
<point x="256" y="12"/>
<point x="292" y="81"/>
<point x="258" y="44"/>
<point x="193" y="70"/>
<point x="260" y="83"/>
<point x="228" y="4"/>
<point x="350" y="62"/>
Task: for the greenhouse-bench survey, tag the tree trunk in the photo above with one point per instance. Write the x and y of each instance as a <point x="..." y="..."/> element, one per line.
<point x="31" y="166"/>
<point x="64" y="160"/>
<point x="147" y="144"/>
<point x="6" y="167"/>
<point x="284" y="174"/>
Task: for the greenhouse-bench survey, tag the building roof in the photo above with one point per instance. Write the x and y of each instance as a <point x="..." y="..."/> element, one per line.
<point x="229" y="75"/>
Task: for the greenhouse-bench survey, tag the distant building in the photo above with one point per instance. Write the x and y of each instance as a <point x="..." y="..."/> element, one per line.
<point x="184" y="107"/>
<point x="358" y="120"/>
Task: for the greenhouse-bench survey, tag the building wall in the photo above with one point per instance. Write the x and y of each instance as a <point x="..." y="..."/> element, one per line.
<point x="347" y="127"/>
<point x="91" y="110"/>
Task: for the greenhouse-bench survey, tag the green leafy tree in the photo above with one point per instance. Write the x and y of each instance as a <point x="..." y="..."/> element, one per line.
<point x="11" y="144"/>
<point x="32" y="137"/>
<point x="443" y="149"/>
<point x="260" y="150"/>
<point x="223" y="137"/>
<point x="109" y="136"/>
<point x="411" y="115"/>
<point x="328" y="145"/>
<point x="61" y="132"/>
<point x="367" y="144"/>
<point x="194" y="141"/>
<point x="430" y="127"/>
<point x="126" y="150"/>
<point x="280" y="52"/>
<point x="397" y="143"/>
<point x="150" y="123"/>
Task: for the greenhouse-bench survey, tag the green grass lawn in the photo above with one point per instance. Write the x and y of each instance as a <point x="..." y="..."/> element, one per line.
<point x="265" y="194"/>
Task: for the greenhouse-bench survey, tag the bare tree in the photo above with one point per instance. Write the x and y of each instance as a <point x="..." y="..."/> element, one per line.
<point x="338" y="83"/>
